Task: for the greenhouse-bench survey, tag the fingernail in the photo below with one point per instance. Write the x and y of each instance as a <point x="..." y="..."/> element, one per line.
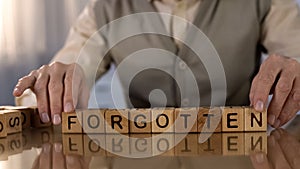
<point x="56" y="119"/>
<point x="259" y="106"/>
<point x="68" y="107"/>
<point x="45" y="117"/>
<point x="271" y="119"/>
<point x="57" y="147"/>
<point x="277" y="124"/>
<point x="259" y="158"/>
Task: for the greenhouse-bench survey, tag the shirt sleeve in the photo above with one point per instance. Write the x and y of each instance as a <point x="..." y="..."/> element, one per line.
<point x="281" y="29"/>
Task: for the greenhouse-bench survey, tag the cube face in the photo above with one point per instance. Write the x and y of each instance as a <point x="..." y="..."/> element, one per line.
<point x="233" y="119"/>
<point x="140" y="121"/>
<point x="93" y="121"/>
<point x="210" y="120"/>
<point x="254" y="120"/>
<point x="3" y="126"/>
<point x="13" y="121"/>
<point x="162" y="120"/>
<point x="186" y="120"/>
<point x="72" y="122"/>
<point x="26" y="113"/>
<point x="117" y="121"/>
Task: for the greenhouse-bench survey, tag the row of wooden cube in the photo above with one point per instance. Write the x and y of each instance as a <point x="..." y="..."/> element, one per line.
<point x="14" y="119"/>
<point x="147" y="145"/>
<point x="168" y="120"/>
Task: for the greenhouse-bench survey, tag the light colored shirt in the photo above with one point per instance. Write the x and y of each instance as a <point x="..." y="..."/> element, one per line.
<point x="278" y="34"/>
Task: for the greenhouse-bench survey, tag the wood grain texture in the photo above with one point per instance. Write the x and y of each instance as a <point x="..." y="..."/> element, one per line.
<point x="254" y="120"/>
<point x="162" y="120"/>
<point x="140" y="120"/>
<point x="210" y="120"/>
<point x="71" y="122"/>
<point x="233" y="119"/>
<point x="186" y="120"/>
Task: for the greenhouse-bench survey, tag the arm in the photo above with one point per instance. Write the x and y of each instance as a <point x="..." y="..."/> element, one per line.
<point x="64" y="84"/>
<point x="280" y="73"/>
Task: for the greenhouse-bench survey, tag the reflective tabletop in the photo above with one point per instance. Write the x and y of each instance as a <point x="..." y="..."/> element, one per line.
<point x="48" y="148"/>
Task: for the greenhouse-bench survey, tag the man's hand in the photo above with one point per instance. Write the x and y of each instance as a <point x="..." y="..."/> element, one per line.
<point x="279" y="76"/>
<point x="58" y="87"/>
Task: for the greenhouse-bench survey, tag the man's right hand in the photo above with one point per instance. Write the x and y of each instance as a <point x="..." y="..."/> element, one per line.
<point x="58" y="87"/>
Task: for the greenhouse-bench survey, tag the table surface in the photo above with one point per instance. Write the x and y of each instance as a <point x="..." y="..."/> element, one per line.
<point x="49" y="148"/>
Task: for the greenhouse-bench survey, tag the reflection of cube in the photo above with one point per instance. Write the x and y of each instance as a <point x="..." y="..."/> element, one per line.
<point x="117" y="145"/>
<point x="233" y="144"/>
<point x="72" y="122"/>
<point x="210" y="120"/>
<point x="13" y="121"/>
<point x="186" y="120"/>
<point x="163" y="144"/>
<point x="254" y="120"/>
<point x="140" y="145"/>
<point x="232" y="119"/>
<point x="73" y="144"/>
<point x="93" y="121"/>
<point x="94" y="145"/>
<point x="162" y="120"/>
<point x="255" y="142"/>
<point x="14" y="142"/>
<point x="140" y="121"/>
<point x="4" y="149"/>
<point x="212" y="145"/>
<point x="117" y="121"/>
<point x="186" y="145"/>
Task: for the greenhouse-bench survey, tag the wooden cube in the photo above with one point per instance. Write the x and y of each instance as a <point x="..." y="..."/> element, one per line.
<point x="26" y="113"/>
<point x="212" y="145"/>
<point x="162" y="120"/>
<point x="14" y="142"/>
<point x="233" y="119"/>
<point x="36" y="121"/>
<point x="72" y="122"/>
<point x="254" y="120"/>
<point x="209" y="120"/>
<point x="13" y="121"/>
<point x="163" y="144"/>
<point x="140" y="145"/>
<point x="117" y="145"/>
<point x="94" y="145"/>
<point x="93" y="121"/>
<point x="255" y="142"/>
<point x="233" y="144"/>
<point x="3" y="125"/>
<point x="117" y="121"/>
<point x="72" y="144"/>
<point x="140" y="121"/>
<point x="186" y="120"/>
<point x="186" y="145"/>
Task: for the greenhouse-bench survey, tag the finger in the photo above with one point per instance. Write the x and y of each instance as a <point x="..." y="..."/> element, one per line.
<point x="58" y="156"/>
<point x="41" y="92"/>
<point x="260" y="161"/>
<point x="282" y="90"/>
<point x="290" y="147"/>
<point x="275" y="154"/>
<point x="23" y="84"/>
<point x="292" y="104"/>
<point x="55" y="89"/>
<point x="72" y="86"/>
<point x="73" y="162"/>
<point x="45" y="157"/>
<point x="263" y="82"/>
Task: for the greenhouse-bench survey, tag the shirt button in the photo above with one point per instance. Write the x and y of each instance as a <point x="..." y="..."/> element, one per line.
<point x="185" y="102"/>
<point x="182" y="65"/>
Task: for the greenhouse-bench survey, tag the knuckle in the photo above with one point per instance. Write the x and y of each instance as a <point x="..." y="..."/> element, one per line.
<point x="284" y="86"/>
<point x="40" y="85"/>
<point x="266" y="78"/>
<point x="55" y="86"/>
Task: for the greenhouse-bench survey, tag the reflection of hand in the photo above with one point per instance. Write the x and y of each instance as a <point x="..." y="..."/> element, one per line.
<point x="58" y="87"/>
<point x="283" y="152"/>
<point x="53" y="157"/>
<point x="278" y="76"/>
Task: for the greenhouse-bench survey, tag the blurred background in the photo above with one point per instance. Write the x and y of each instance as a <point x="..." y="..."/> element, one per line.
<point x="31" y="32"/>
